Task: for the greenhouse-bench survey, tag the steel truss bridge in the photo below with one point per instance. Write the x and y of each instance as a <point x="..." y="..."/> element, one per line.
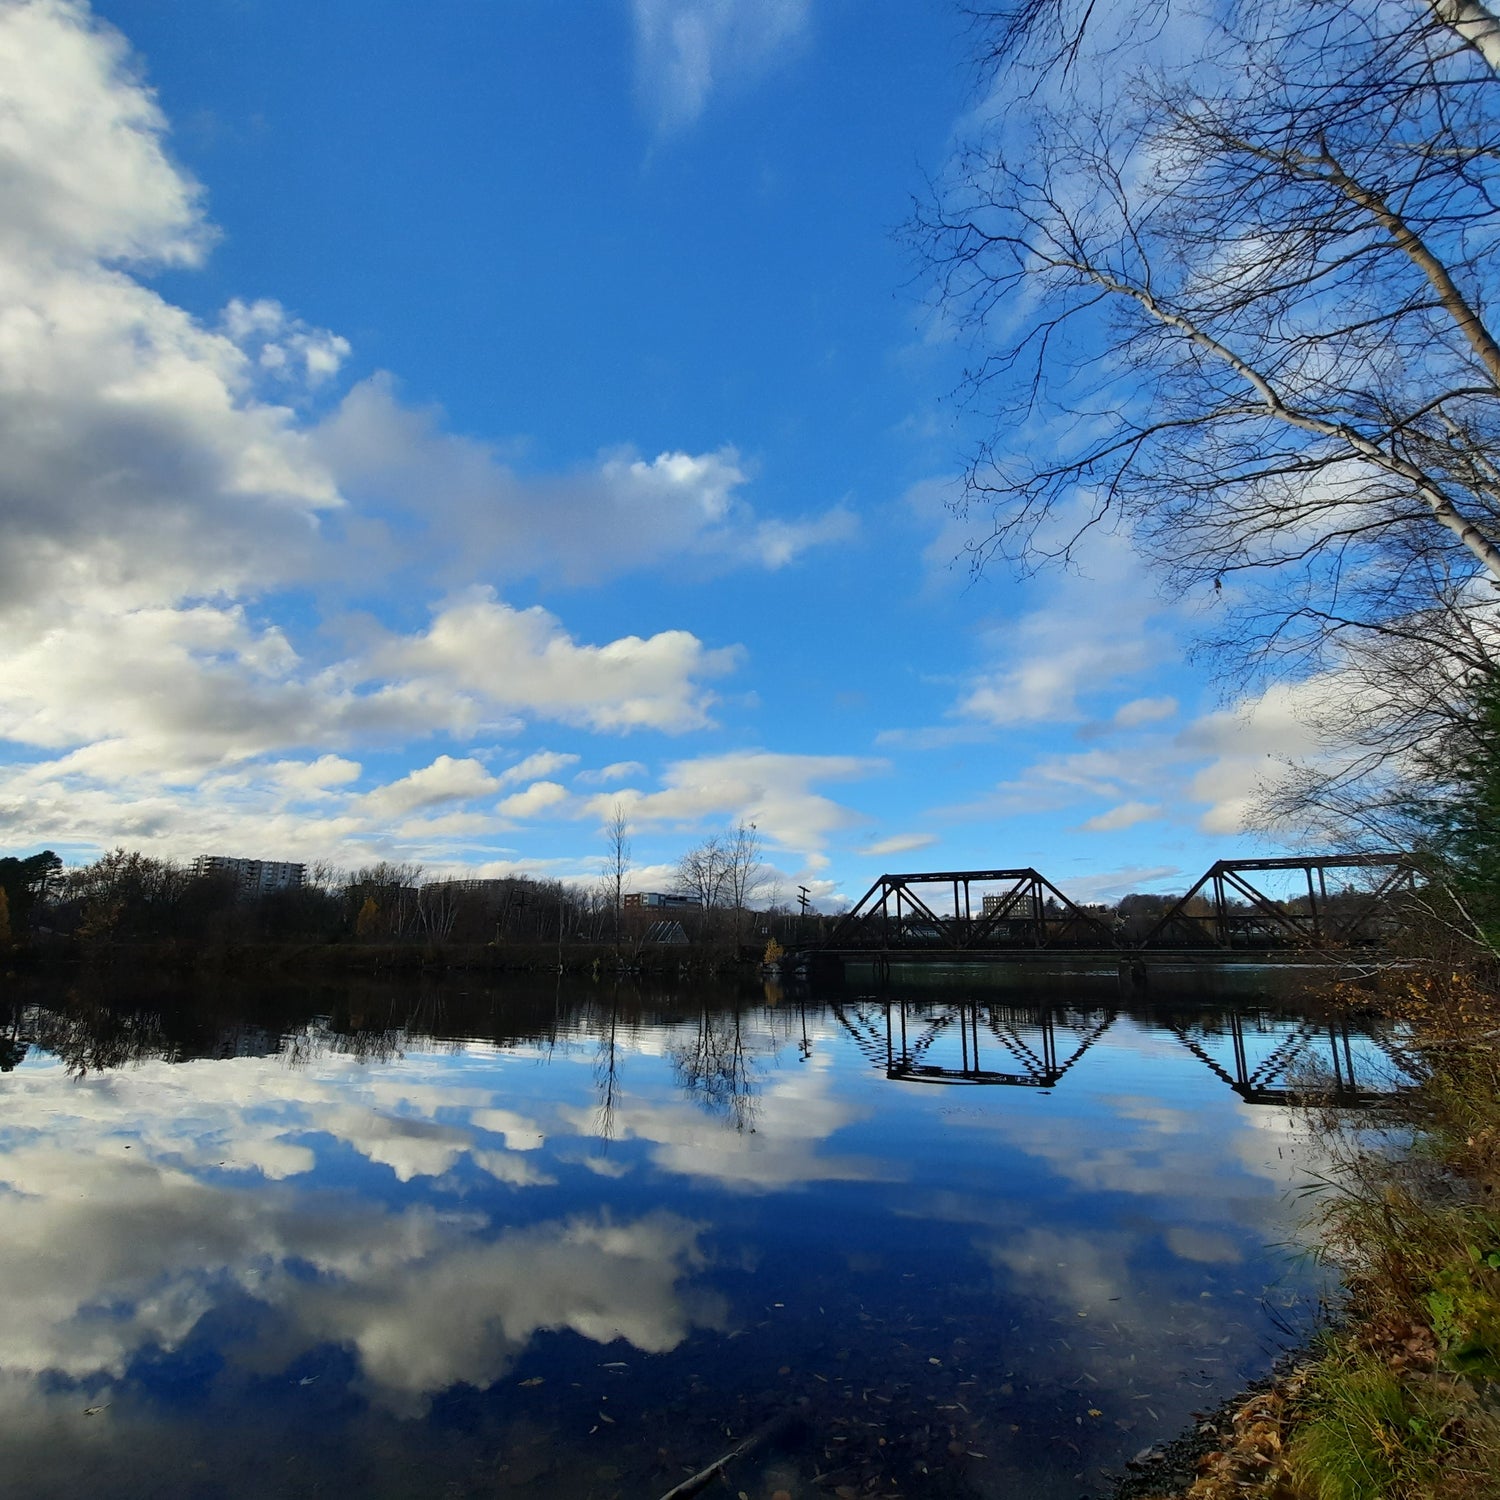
<point x="971" y="1041"/>
<point x="1350" y="901"/>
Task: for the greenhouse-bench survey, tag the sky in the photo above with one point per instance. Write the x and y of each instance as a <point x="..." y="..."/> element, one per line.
<point x="424" y="429"/>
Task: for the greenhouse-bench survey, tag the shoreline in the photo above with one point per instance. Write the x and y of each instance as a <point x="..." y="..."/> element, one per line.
<point x="1233" y="1448"/>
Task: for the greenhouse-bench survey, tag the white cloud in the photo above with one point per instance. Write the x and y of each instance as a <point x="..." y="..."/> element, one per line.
<point x="1050" y="658"/>
<point x="1141" y="711"/>
<point x="1213" y="772"/>
<point x="687" y="49"/>
<point x="481" y="651"/>
<point x="163" y="478"/>
<point x="456" y="504"/>
<point x="167" y="688"/>
<point x="771" y="790"/>
<point x="282" y="344"/>
<point x="541" y="763"/>
<point x="539" y="797"/>
<point x="1042" y="666"/>
<point x="84" y="176"/>
<point x="1249" y="746"/>
<point x="901" y="843"/>
<point x="620" y="770"/>
<point x="1110" y="885"/>
<point x="1126" y="815"/>
<point x="445" y="780"/>
<point x="776" y="543"/>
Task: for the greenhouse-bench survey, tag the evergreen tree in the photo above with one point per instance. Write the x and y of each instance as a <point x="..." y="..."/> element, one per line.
<point x="1460" y="817"/>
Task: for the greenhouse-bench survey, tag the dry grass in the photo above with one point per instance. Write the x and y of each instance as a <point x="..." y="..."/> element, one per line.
<point x="1403" y="1401"/>
<point x="1405" y="1404"/>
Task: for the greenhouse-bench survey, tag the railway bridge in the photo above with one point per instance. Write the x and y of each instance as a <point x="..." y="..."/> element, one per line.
<point x="1271" y="908"/>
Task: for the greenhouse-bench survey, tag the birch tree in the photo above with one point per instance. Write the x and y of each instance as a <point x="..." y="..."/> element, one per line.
<point x="1232" y="293"/>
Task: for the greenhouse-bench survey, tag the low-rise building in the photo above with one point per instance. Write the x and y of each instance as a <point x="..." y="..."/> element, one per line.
<point x="661" y="900"/>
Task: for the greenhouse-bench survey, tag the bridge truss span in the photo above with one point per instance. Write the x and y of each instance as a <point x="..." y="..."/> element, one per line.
<point x="1320" y="903"/>
<point x="1022" y="908"/>
<point x="1230" y="906"/>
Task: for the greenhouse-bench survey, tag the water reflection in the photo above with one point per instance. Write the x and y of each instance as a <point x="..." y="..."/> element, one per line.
<point x="554" y="1242"/>
<point x="1269" y="1060"/>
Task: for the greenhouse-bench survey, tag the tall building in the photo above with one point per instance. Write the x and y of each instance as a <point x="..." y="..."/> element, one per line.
<point x="254" y="877"/>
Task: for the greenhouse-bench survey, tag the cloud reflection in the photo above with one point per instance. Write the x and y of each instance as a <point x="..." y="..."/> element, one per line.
<point x="137" y="1202"/>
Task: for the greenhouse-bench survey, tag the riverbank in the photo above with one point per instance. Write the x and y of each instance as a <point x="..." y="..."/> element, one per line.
<point x="1402" y="1400"/>
<point x="369" y="959"/>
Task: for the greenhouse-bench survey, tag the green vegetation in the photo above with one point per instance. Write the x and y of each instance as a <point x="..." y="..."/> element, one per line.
<point x="1368" y="1433"/>
<point x="1403" y="1400"/>
<point x="1457" y="809"/>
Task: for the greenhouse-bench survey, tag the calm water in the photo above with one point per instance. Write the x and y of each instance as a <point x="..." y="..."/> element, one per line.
<point x="571" y="1242"/>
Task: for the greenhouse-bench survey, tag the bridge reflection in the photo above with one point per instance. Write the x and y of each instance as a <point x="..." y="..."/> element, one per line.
<point x="1264" y="1059"/>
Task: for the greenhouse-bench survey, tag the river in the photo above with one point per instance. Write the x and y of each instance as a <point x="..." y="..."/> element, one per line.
<point x="569" y="1240"/>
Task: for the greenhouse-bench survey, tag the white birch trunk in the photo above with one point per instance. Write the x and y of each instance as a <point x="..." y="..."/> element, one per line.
<point x="1476" y="24"/>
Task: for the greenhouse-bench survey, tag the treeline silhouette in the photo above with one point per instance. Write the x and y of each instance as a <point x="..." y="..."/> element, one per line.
<point x="129" y="898"/>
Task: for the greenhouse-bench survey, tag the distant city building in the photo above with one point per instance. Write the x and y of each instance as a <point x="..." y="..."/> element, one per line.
<point x="661" y="900"/>
<point x="255" y="877"/>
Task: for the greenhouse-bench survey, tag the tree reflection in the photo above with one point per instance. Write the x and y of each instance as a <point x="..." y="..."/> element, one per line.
<point x="90" y="1038"/>
<point x="713" y="1067"/>
<point x="607" y="1070"/>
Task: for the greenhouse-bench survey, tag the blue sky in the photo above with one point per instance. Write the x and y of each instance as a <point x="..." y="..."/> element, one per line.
<point x="426" y="427"/>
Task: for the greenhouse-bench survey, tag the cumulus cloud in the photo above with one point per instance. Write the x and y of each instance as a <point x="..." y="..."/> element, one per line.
<point x="282" y="344"/>
<point x="164" y="479"/>
<point x="539" y="797"/>
<point x="445" y="780"/>
<point x="85" y="178"/>
<point x="687" y="49"/>
<point x="773" y="791"/>
<point x="482" y="651"/>
<point x="177" y="728"/>
<point x="202" y="685"/>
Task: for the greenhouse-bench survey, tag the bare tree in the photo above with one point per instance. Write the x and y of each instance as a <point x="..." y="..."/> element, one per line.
<point x="744" y="875"/>
<point x="393" y="888"/>
<point x="702" y="872"/>
<point x="1237" y="301"/>
<point x="438" y="905"/>
<point x="617" y="862"/>
<point x="1042" y="37"/>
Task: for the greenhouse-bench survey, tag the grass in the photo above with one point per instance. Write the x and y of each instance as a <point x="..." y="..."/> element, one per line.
<point x="1403" y="1402"/>
<point x="1367" y="1432"/>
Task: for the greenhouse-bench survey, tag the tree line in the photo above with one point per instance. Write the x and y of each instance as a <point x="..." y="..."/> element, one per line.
<point x="130" y="896"/>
